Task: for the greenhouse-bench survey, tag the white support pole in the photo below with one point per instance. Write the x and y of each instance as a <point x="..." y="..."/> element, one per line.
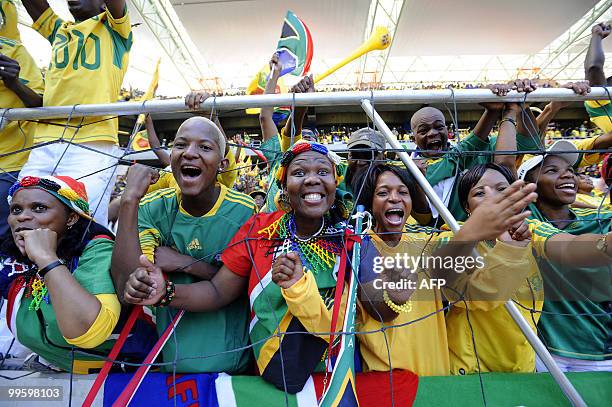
<point x="566" y="386"/>
<point x="302" y="99"/>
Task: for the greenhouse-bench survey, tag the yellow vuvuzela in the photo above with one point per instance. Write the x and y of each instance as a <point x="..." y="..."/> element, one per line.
<point x="381" y="39"/>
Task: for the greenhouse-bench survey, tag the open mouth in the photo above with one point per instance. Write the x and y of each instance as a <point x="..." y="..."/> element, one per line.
<point x="190" y="171"/>
<point x="434" y="145"/>
<point x="395" y="216"/>
<point x="313" y="197"/>
<point x="567" y="187"/>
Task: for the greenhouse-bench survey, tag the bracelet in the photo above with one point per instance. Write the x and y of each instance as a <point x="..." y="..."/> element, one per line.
<point x="169" y="296"/>
<point x="602" y="244"/>
<point x="507" y="119"/>
<point x="49" y="267"/>
<point x="406" y="307"/>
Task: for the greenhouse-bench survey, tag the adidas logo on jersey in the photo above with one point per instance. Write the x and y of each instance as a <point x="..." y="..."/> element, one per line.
<point x="194" y="245"/>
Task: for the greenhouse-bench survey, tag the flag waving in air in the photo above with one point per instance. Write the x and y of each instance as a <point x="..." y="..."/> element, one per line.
<point x="295" y="46"/>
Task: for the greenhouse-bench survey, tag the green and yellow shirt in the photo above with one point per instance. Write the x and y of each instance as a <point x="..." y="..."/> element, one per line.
<point x="576" y="321"/>
<point x="163" y="222"/>
<point x="88" y="62"/>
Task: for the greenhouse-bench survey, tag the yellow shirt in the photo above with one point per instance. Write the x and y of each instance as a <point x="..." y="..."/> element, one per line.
<point x="8" y="20"/>
<point x="510" y="272"/>
<point x="421" y="346"/>
<point x="594" y="201"/>
<point x="599" y="112"/>
<point x="587" y="144"/>
<point x="17" y="135"/>
<point x="88" y="62"/>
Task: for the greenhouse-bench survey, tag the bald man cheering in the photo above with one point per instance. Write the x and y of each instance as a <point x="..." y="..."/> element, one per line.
<point x="183" y="232"/>
<point x="443" y="163"/>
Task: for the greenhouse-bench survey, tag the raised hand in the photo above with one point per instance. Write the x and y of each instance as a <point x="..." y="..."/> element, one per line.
<point x="146" y="285"/>
<point x="602" y="30"/>
<point x="500" y="89"/>
<point x="9" y="71"/>
<point x="305" y="85"/>
<point x="195" y="98"/>
<point x="517" y="235"/>
<point x="275" y="65"/>
<point x="139" y="178"/>
<point x="498" y="213"/>
<point x="287" y="270"/>
<point x="579" y="87"/>
<point x="523" y="85"/>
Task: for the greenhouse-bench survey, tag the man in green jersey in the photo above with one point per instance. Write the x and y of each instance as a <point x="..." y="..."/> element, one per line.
<point x="444" y="163"/>
<point x="183" y="233"/>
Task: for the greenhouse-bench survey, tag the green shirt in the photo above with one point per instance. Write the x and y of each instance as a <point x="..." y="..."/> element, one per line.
<point x="464" y="155"/>
<point x="574" y="323"/>
<point x="600" y="112"/>
<point x="93" y="274"/>
<point x="162" y="222"/>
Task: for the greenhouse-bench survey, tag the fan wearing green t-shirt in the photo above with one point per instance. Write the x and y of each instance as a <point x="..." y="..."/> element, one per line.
<point x="183" y="233"/>
<point x="576" y="324"/>
<point x="444" y="163"/>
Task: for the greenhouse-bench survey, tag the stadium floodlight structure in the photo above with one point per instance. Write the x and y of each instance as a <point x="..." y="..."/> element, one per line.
<point x="382" y="13"/>
<point x="562" y="58"/>
<point x="164" y="23"/>
<point x="367" y="101"/>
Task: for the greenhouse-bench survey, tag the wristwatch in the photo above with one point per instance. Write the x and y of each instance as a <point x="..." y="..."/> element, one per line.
<point x="602" y="244"/>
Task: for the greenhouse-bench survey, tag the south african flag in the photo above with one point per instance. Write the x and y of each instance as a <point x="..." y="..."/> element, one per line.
<point x="295" y="46"/>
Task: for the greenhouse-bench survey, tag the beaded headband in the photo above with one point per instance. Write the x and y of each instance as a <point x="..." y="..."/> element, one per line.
<point x="303" y="146"/>
<point x="70" y="192"/>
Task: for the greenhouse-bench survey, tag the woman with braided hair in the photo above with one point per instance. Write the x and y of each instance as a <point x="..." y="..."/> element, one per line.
<point x="289" y="261"/>
<point x="55" y="274"/>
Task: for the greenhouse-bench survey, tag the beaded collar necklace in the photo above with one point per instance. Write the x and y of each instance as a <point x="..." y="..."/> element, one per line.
<point x="317" y="253"/>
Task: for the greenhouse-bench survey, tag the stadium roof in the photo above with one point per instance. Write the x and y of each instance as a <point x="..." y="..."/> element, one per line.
<point x="221" y="44"/>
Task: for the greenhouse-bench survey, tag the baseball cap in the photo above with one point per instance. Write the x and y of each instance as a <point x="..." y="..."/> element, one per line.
<point x="562" y="148"/>
<point x="367" y="137"/>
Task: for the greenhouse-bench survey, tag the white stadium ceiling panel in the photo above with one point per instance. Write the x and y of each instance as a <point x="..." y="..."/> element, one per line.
<point x="238" y="37"/>
<point x="483" y="27"/>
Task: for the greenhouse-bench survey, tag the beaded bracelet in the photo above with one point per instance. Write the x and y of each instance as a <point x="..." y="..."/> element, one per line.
<point x="406" y="307"/>
<point x="169" y="296"/>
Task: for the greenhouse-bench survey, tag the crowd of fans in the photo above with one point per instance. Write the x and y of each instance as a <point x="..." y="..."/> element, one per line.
<point x="248" y="251"/>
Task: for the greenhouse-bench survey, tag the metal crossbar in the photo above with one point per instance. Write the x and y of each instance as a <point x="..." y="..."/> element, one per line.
<point x="304" y="99"/>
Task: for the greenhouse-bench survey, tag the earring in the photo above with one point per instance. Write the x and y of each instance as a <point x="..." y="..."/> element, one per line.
<point x="282" y="201"/>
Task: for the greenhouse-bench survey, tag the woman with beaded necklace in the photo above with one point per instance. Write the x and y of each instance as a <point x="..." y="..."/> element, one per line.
<point x="289" y="262"/>
<point x="55" y="275"/>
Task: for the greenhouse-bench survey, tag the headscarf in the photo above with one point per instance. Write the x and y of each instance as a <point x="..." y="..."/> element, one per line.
<point x="69" y="191"/>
